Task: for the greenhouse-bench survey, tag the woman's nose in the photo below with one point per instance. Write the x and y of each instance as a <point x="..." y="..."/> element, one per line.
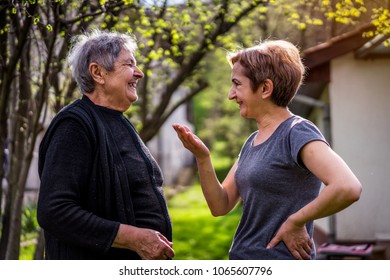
<point x="232" y="94"/>
<point x="138" y="73"/>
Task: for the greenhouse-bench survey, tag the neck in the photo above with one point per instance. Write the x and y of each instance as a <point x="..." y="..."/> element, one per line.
<point x="272" y="119"/>
<point x="104" y="101"/>
<point x="268" y="123"/>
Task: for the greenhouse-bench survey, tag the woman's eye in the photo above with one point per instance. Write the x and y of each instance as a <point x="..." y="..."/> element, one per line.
<point x="235" y="82"/>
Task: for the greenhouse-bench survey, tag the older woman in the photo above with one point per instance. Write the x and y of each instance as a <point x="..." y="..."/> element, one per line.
<point x="101" y="191"/>
<point x="281" y="166"/>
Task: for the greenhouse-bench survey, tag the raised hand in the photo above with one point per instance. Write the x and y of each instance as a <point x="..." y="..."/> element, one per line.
<point x="191" y="141"/>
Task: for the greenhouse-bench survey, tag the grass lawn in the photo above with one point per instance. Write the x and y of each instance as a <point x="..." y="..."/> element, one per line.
<point x="197" y="235"/>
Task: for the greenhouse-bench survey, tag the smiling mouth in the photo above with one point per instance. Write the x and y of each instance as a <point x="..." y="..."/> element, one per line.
<point x="133" y="84"/>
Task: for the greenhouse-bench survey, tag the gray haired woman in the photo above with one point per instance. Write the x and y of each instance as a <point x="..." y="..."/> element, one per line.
<point x="101" y="193"/>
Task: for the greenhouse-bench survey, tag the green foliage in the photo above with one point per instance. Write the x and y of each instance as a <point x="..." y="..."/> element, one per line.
<point x="30" y="229"/>
<point x="173" y="42"/>
<point x="381" y="19"/>
<point x="217" y="118"/>
<point x="197" y="235"/>
<point x="303" y="13"/>
<point x="29" y="220"/>
<point x="222" y="159"/>
<point x="345" y="11"/>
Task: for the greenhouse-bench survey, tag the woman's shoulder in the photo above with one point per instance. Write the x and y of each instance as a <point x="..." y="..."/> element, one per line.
<point x="74" y="116"/>
<point x="80" y="111"/>
<point x="298" y="123"/>
<point x="302" y="129"/>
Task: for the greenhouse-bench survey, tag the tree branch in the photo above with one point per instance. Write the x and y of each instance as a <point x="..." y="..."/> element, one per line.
<point x="148" y="133"/>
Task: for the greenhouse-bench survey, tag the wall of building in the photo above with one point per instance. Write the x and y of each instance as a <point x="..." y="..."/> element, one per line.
<point x="167" y="149"/>
<point x="360" y="116"/>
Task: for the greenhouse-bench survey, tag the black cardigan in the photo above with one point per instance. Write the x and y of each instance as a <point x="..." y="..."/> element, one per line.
<point x="81" y="218"/>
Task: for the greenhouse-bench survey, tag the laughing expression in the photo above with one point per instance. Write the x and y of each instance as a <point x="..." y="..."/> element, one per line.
<point x="120" y="84"/>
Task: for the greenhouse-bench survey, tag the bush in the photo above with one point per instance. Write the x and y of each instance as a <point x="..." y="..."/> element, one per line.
<point x="30" y="230"/>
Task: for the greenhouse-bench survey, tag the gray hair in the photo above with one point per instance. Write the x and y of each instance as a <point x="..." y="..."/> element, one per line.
<point x="97" y="46"/>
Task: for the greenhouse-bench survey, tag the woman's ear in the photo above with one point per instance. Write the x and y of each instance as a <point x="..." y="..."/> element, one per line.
<point x="97" y="72"/>
<point x="267" y="88"/>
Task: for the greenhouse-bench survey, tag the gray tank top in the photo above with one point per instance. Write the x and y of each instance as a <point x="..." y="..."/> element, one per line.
<point x="273" y="184"/>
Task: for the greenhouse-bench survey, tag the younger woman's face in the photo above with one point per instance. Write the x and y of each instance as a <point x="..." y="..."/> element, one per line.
<point x="242" y="93"/>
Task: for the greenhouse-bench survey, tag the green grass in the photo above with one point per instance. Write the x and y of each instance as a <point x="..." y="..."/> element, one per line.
<point x="197" y="235"/>
<point x="27" y="252"/>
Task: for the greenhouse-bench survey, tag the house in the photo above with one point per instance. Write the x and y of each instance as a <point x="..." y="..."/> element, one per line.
<point x="347" y="93"/>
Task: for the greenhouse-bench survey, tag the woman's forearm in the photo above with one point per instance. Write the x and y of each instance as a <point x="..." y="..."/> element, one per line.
<point x="331" y="200"/>
<point x="221" y="198"/>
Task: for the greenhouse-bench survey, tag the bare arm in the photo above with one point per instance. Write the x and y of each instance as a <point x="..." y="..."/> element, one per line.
<point x="221" y="198"/>
<point x="342" y="188"/>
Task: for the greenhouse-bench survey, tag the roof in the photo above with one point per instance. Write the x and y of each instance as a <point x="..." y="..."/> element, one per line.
<point x="317" y="60"/>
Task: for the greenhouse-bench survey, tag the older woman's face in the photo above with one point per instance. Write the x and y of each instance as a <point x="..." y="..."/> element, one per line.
<point x="120" y="84"/>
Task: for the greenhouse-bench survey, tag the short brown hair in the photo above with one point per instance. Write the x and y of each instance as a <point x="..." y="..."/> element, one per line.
<point x="277" y="60"/>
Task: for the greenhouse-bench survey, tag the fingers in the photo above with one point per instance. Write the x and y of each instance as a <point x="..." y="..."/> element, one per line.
<point x="302" y="251"/>
<point x="299" y="245"/>
<point x="154" y="246"/>
<point x="167" y="252"/>
<point x="149" y="244"/>
<point x="190" y="141"/>
<point x="301" y="254"/>
<point x="180" y="128"/>
<point x="307" y="247"/>
<point x="164" y="250"/>
<point x="182" y="133"/>
<point x="274" y="241"/>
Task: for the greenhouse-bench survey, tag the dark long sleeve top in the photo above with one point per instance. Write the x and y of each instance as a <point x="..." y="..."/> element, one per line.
<point x="95" y="174"/>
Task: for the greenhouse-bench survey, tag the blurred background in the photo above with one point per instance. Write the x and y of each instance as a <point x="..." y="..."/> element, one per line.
<point x="182" y="48"/>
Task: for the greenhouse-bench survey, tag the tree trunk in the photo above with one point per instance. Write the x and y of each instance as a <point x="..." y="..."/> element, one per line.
<point x="40" y="247"/>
